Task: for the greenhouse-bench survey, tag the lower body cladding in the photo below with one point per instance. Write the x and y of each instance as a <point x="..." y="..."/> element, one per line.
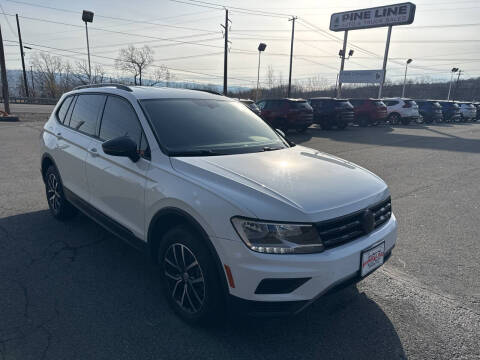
<point x="271" y="284"/>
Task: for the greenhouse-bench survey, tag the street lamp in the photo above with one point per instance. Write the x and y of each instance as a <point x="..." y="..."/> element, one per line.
<point x="341" y="55"/>
<point x="87" y="16"/>
<point x="261" y="47"/>
<point x="405" y="78"/>
<point x="454" y="70"/>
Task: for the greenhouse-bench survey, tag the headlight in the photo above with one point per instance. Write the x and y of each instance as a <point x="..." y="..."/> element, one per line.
<point x="278" y="238"/>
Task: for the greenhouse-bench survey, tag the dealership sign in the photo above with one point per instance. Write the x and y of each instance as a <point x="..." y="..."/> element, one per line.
<point x="361" y="76"/>
<point x="390" y="15"/>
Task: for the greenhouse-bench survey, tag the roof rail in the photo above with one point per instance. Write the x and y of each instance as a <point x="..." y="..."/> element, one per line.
<point x="118" y="86"/>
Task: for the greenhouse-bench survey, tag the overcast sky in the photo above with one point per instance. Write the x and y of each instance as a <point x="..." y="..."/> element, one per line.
<point x="197" y="46"/>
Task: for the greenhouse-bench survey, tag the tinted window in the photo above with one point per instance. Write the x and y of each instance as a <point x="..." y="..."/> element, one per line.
<point x="410" y="102"/>
<point x="119" y="119"/>
<point x="261" y="104"/>
<point x="301" y="105"/>
<point x="64" y="108"/>
<point x="86" y="113"/>
<point x="204" y="127"/>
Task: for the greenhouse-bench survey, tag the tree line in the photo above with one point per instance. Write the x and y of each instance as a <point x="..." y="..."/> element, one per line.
<point x="51" y="76"/>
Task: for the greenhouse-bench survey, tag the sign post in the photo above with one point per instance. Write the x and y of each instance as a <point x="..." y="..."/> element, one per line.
<point x="381" y="16"/>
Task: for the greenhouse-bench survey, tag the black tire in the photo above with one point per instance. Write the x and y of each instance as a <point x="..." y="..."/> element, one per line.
<point x="342" y="125"/>
<point x="363" y="121"/>
<point x="59" y="206"/>
<point x="394" y="119"/>
<point x="326" y="125"/>
<point x="199" y="302"/>
<point x="302" y="129"/>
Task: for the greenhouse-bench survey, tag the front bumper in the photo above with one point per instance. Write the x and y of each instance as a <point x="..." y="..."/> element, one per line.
<point x="324" y="270"/>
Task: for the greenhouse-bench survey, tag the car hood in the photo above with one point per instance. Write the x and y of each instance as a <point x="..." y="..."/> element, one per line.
<point x="294" y="184"/>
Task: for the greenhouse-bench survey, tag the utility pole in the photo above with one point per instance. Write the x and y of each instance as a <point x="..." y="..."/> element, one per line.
<point x="33" y="82"/>
<point x="225" y="55"/>
<point x="87" y="16"/>
<point x="453" y="71"/>
<point x="291" y="56"/>
<point x="4" y="76"/>
<point x="22" y="54"/>
<point x="342" y="64"/>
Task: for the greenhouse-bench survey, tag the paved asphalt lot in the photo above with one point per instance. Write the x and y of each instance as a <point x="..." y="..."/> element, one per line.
<point x="73" y="291"/>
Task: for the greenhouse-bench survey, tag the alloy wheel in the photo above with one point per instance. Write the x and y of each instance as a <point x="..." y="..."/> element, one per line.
<point x="185" y="278"/>
<point x="53" y="194"/>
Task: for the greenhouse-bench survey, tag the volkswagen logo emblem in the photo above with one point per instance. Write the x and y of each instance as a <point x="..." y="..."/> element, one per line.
<point x="368" y="221"/>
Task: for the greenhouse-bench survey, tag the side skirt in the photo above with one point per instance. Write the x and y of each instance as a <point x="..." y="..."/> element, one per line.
<point x="105" y="221"/>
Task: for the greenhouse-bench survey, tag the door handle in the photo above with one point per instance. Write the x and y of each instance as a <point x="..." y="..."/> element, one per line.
<point x="93" y="151"/>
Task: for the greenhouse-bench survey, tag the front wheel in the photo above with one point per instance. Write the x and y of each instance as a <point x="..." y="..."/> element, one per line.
<point x="59" y="206"/>
<point x="191" y="282"/>
<point x="394" y="119"/>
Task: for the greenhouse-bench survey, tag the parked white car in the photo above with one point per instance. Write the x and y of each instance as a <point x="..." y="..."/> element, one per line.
<point x="401" y="110"/>
<point x="468" y="111"/>
<point x="231" y="211"/>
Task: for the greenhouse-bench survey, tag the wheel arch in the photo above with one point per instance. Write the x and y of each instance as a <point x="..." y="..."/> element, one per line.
<point x="169" y="217"/>
<point x="47" y="161"/>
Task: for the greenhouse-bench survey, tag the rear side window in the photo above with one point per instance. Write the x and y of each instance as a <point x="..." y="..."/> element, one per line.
<point x="86" y="113"/>
<point x="410" y="102"/>
<point x="119" y="119"/>
<point x="301" y="105"/>
<point x="64" y="108"/>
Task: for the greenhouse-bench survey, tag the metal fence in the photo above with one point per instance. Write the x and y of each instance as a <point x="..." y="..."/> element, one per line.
<point x="31" y="100"/>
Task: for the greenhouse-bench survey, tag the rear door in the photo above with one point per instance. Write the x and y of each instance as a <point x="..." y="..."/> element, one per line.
<point x="79" y="128"/>
<point x="117" y="184"/>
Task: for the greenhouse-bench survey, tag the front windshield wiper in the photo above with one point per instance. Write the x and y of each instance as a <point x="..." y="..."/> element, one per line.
<point x="269" y="148"/>
<point x="196" y="153"/>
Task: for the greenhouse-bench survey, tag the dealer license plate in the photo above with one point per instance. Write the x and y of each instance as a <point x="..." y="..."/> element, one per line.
<point x="372" y="259"/>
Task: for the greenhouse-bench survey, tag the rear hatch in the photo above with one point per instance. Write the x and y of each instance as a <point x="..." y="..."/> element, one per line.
<point x="380" y="108"/>
<point x="300" y="111"/>
<point x="344" y="110"/>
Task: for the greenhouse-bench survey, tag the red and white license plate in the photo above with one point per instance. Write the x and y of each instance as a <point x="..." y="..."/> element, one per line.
<point x="372" y="259"/>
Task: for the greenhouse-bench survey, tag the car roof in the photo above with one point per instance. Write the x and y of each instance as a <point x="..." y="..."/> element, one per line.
<point x="151" y="92"/>
<point x="283" y="99"/>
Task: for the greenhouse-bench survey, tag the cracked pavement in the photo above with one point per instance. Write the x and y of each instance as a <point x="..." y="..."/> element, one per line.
<point x="73" y="291"/>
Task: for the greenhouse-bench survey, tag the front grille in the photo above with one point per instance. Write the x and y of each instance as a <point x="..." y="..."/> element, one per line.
<point x="341" y="230"/>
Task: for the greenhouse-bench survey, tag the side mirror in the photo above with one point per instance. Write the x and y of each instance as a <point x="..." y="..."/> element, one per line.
<point x="121" y="146"/>
<point x="282" y="134"/>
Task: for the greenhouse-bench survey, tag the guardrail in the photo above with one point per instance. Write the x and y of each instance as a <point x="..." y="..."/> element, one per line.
<point x="30" y="100"/>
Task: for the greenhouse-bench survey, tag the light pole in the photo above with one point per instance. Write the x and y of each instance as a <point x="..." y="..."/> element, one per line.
<point x="405" y="77"/>
<point x="87" y="16"/>
<point x="341" y="54"/>
<point x="261" y="47"/>
<point x="454" y="70"/>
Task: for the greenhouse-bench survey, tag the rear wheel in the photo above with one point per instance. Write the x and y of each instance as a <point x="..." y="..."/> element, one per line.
<point x="190" y="279"/>
<point x="59" y="206"/>
<point x="363" y="121"/>
<point x="394" y="119"/>
<point x="303" y="129"/>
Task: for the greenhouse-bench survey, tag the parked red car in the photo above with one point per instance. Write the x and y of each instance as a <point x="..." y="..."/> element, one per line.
<point x="369" y="111"/>
<point x="285" y="114"/>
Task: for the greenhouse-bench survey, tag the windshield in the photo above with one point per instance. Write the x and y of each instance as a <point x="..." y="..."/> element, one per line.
<point x="194" y="127"/>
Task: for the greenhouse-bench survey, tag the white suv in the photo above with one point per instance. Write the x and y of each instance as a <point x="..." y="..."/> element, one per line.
<point x="232" y="212"/>
<point x="401" y="110"/>
<point x="468" y="111"/>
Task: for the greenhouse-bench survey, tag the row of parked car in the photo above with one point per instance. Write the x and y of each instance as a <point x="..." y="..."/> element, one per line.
<point x="299" y="114"/>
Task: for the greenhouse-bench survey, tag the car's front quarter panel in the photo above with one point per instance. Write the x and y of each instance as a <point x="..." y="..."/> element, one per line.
<point x="167" y="188"/>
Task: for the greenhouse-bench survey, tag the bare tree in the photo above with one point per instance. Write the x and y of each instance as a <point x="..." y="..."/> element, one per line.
<point x="135" y="61"/>
<point x="82" y="73"/>
<point x="161" y="75"/>
<point x="47" y="69"/>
